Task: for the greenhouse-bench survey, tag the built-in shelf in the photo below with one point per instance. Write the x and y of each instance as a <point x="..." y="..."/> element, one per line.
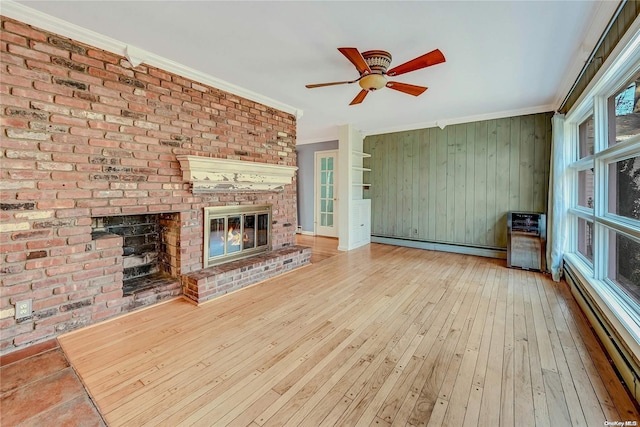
<point x="360" y="154"/>
<point x="355" y="210"/>
<point x="358" y="169"/>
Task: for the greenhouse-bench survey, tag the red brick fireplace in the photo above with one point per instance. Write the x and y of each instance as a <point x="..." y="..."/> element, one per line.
<point x="85" y="136"/>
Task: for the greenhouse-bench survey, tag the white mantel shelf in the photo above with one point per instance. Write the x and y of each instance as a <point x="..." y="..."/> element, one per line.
<point x="212" y="175"/>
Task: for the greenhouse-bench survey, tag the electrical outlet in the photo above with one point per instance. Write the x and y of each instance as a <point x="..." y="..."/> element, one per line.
<point x="23" y="309"/>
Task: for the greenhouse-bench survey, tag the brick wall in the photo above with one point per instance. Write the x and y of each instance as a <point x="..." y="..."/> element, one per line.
<point x="86" y="135"/>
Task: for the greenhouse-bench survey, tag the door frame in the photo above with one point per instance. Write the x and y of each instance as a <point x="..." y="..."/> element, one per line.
<point x="316" y="190"/>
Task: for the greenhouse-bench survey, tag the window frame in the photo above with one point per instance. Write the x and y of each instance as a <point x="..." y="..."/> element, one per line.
<point x="595" y="101"/>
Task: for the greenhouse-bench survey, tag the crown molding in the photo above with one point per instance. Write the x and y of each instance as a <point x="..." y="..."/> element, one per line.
<point x="331" y="137"/>
<point x="33" y="17"/>
<point x="442" y="123"/>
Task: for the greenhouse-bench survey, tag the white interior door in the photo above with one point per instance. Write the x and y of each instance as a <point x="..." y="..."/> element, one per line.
<point x="326" y="202"/>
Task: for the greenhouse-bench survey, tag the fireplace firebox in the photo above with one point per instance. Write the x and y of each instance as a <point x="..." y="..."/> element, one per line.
<point x="234" y="232"/>
<point x="148" y="251"/>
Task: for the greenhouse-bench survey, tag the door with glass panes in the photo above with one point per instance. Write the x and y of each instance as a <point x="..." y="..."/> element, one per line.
<point x="326" y="208"/>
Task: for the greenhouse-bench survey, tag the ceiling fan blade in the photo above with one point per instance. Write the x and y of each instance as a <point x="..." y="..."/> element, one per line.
<point x="406" y="88"/>
<point x="330" y="84"/>
<point x="359" y="97"/>
<point x="356" y="59"/>
<point x="428" y="59"/>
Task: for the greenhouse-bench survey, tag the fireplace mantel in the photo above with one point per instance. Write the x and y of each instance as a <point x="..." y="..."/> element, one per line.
<point x="210" y="175"/>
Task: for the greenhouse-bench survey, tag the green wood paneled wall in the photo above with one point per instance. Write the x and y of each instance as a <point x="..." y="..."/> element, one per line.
<point x="456" y="185"/>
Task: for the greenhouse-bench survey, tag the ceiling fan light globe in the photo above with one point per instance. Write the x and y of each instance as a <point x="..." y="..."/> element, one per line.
<point x="372" y="82"/>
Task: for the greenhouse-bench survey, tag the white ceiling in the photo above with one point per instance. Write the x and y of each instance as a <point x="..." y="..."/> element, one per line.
<point x="503" y="57"/>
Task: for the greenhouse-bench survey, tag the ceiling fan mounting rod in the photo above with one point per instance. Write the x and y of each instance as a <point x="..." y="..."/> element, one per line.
<point x="377" y="60"/>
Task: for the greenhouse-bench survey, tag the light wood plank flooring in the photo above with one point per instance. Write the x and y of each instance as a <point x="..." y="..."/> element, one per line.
<point x="322" y="247"/>
<point x="381" y="336"/>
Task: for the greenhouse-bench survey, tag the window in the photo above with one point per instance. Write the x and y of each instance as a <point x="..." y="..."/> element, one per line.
<point x="585" y="188"/>
<point x="624" y="112"/>
<point x="624" y="188"/>
<point x="624" y="264"/>
<point x="605" y="211"/>
<point x="585" y="182"/>
<point x="585" y="147"/>
<point x="585" y="238"/>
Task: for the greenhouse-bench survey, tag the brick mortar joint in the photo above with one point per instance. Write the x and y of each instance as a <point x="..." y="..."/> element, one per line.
<point x="76" y="120"/>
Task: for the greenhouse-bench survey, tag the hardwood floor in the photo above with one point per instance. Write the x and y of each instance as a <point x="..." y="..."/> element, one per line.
<point x="322" y="247"/>
<point x="381" y="335"/>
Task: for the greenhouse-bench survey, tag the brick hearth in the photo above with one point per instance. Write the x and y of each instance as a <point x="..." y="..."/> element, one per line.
<point x="85" y="135"/>
<point x="211" y="282"/>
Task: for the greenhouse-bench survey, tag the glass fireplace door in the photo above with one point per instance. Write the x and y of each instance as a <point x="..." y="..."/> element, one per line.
<point x="236" y="232"/>
<point x="249" y="232"/>
<point x="217" y="229"/>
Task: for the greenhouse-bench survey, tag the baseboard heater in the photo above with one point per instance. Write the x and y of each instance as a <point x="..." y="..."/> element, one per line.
<point x="485" y="251"/>
<point x="627" y="369"/>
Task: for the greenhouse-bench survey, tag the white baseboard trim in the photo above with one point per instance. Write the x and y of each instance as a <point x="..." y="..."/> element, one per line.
<point x="306" y="233"/>
<point x="443" y="247"/>
<point x="350" y="248"/>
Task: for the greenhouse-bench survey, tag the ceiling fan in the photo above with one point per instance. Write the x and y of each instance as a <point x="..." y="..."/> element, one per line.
<point x="372" y="66"/>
